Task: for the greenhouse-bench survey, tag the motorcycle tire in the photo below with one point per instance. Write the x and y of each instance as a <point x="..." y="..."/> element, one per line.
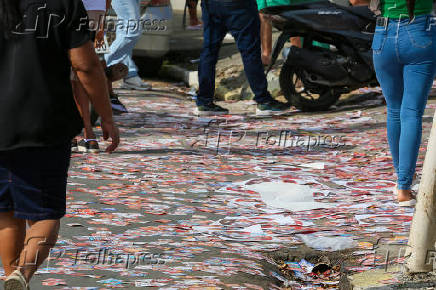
<point x="288" y="86"/>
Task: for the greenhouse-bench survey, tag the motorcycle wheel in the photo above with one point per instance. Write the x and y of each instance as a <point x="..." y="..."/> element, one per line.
<point x="295" y="93"/>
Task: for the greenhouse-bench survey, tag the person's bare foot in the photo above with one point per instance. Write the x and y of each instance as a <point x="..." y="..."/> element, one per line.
<point x="195" y="22"/>
<point x="404" y="195"/>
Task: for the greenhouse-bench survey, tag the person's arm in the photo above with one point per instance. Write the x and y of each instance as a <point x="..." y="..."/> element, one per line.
<point x="91" y="75"/>
<point x="99" y="36"/>
<point x="360" y="2"/>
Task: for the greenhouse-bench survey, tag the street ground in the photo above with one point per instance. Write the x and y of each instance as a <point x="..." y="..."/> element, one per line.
<point x="224" y="203"/>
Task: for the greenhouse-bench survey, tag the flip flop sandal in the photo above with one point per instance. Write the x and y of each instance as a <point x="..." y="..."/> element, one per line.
<point x="195" y="27"/>
<point x="408" y="203"/>
<point x="116" y="72"/>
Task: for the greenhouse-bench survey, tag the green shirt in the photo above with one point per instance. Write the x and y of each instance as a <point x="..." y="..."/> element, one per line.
<point x="398" y="8"/>
<point x="268" y="3"/>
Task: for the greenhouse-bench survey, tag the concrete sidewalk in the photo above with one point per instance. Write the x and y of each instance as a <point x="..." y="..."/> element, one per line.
<point x="380" y="279"/>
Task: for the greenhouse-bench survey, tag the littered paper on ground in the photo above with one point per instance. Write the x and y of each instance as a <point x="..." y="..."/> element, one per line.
<point x="289" y="196"/>
<point x="321" y="243"/>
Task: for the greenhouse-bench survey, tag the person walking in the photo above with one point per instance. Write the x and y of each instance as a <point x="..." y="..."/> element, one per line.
<point x="96" y="10"/>
<point x="38" y="120"/>
<point x="128" y="33"/>
<point x="241" y="19"/>
<point x="404" y="49"/>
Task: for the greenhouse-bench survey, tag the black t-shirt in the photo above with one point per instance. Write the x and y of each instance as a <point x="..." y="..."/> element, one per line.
<point x="37" y="107"/>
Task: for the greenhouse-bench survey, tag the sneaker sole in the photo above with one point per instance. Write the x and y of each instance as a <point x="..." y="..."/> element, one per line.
<point x="14" y="285"/>
<point x="206" y="113"/>
<point x="264" y="113"/>
<point x="82" y="149"/>
<point x="132" y="87"/>
<point x="269" y="113"/>
<point x="409" y="203"/>
<point x="119" y="109"/>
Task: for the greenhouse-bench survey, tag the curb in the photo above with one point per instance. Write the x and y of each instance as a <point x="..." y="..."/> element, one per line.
<point x="178" y="73"/>
<point x="222" y="93"/>
<point x="379" y="279"/>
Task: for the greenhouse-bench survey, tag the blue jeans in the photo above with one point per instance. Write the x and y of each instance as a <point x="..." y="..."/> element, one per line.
<point x="128" y="33"/>
<point x="405" y="62"/>
<point x="241" y="19"/>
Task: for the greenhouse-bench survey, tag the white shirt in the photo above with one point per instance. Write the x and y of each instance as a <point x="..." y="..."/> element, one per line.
<point x="95" y="4"/>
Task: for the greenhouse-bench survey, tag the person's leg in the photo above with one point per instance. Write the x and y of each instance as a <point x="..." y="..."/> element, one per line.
<point x="266" y="38"/>
<point x="418" y="79"/>
<point x="82" y="101"/>
<point x="416" y="47"/>
<point x="390" y="76"/>
<point x="389" y="72"/>
<point x="96" y="20"/>
<point x="12" y="235"/>
<point x="40" y="238"/>
<point x="37" y="182"/>
<point x="418" y="51"/>
<point x="128" y="33"/>
<point x="214" y="33"/>
<point x="193" y="17"/>
<point x="244" y="24"/>
<point x="296" y="41"/>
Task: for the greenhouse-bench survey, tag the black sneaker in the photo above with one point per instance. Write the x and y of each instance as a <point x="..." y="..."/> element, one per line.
<point x="88" y="146"/>
<point x="210" y="110"/>
<point x="74" y="146"/>
<point x="271" y="107"/>
<point x="117" y="107"/>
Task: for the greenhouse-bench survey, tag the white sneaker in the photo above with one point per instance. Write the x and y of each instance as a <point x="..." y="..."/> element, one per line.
<point x="135" y="83"/>
<point x="16" y="281"/>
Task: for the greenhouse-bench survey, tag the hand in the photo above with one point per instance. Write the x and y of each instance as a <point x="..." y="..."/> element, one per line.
<point x="110" y="130"/>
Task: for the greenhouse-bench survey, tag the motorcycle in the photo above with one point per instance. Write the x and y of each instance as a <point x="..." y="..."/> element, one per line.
<point x="314" y="76"/>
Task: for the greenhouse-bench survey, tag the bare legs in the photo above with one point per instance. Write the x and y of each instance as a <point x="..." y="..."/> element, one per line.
<point x="193" y="17"/>
<point x="266" y="38"/>
<point x="25" y="250"/>
<point x="296" y="41"/>
<point x="82" y="102"/>
<point x="12" y="235"/>
<point x="40" y="238"/>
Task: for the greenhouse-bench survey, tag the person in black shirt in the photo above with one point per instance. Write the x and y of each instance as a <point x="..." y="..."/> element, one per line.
<point x="40" y="40"/>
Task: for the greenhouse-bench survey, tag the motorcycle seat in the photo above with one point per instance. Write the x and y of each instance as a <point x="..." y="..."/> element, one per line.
<point x="360" y="11"/>
<point x="278" y="10"/>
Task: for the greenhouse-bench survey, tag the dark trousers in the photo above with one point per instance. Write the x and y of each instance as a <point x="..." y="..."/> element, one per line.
<point x="241" y="19"/>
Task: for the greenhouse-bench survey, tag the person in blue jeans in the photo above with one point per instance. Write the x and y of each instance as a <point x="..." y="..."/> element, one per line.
<point x="128" y="33"/>
<point x="404" y="49"/>
<point x="241" y="19"/>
